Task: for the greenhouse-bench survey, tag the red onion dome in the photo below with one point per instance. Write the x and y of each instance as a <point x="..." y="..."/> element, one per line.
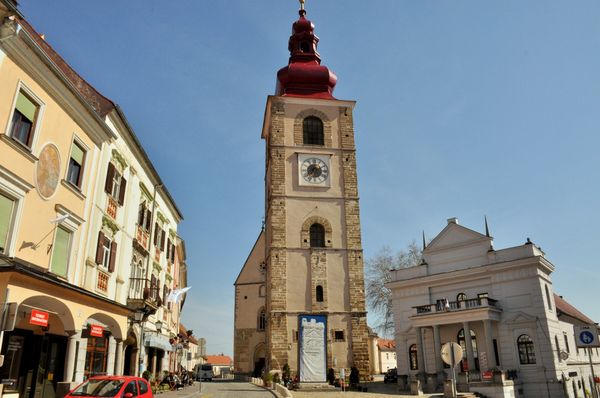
<point x="305" y="76"/>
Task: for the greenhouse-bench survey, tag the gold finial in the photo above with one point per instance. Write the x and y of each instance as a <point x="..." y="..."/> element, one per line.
<point x="302" y="4"/>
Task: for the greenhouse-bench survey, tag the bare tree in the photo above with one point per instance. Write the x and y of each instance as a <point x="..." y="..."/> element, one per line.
<point x="379" y="298"/>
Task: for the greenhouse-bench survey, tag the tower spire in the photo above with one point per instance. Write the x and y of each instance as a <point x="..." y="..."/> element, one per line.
<point x="304" y="76"/>
<point x="487" y="229"/>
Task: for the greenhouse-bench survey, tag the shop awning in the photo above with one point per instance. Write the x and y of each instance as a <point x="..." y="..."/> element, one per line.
<point x="157" y="341"/>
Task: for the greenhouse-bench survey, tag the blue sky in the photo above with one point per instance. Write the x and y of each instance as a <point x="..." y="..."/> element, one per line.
<point x="465" y="108"/>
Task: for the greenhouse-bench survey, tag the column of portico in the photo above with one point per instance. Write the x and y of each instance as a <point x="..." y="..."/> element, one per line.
<point x="437" y="344"/>
<point x="110" y="360"/>
<point x="489" y="344"/>
<point x="420" y="354"/>
<point x="119" y="358"/>
<point x="70" y="357"/>
<point x="469" y="344"/>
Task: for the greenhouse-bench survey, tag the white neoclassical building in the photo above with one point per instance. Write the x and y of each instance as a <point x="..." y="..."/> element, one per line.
<point x="505" y="300"/>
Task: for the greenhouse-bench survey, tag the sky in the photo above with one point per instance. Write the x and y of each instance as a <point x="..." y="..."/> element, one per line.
<point x="465" y="108"/>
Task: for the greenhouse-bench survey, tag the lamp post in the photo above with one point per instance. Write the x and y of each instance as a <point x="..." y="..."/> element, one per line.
<point x="138" y="317"/>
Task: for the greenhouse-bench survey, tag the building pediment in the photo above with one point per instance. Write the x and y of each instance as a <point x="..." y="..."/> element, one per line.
<point x="455" y="235"/>
<point x="520" y="317"/>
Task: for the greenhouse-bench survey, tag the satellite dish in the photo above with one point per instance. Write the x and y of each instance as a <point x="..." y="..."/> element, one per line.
<point x="59" y="219"/>
<point x="564" y="355"/>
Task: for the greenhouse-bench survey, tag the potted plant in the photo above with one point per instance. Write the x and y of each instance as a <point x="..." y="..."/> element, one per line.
<point x="498" y="375"/>
<point x="286" y="375"/>
<point x="267" y="379"/>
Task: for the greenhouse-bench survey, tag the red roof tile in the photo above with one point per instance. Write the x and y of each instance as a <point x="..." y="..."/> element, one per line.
<point x="563" y="307"/>
<point x="100" y="103"/>
<point x="222" y="360"/>
<point x="386" y="345"/>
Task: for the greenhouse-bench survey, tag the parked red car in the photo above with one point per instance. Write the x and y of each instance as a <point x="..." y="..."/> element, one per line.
<point x="113" y="386"/>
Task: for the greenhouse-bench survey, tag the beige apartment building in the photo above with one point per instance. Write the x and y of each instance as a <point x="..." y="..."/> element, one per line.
<point x="89" y="249"/>
<point x="299" y="298"/>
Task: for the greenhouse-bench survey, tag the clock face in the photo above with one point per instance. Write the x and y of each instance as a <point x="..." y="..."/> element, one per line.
<point x="314" y="170"/>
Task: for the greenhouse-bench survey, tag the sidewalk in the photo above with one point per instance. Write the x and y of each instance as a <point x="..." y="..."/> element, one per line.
<point x="186" y="392"/>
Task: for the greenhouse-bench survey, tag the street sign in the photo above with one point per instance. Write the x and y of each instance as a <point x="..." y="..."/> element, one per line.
<point x="452" y="353"/>
<point x="96" y="330"/>
<point x="586" y="336"/>
<point x="39" y="318"/>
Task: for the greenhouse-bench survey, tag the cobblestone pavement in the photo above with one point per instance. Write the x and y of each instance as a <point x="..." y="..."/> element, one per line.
<point x="219" y="389"/>
<point x="374" y="390"/>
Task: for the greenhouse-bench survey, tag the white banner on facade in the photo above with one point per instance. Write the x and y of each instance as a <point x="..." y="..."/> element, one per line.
<point x="313" y="358"/>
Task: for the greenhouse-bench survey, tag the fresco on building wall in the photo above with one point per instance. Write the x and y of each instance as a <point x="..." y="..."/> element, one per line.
<point x="48" y="171"/>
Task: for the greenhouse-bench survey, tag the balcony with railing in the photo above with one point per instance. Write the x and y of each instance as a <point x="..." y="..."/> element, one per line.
<point x="111" y="207"/>
<point x="468" y="309"/>
<point x="143" y="295"/>
<point x="142" y="236"/>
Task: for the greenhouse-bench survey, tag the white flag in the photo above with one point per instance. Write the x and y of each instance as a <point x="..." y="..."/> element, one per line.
<point x="177" y="294"/>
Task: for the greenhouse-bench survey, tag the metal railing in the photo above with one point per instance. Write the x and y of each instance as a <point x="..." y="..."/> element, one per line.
<point x="140" y="289"/>
<point x="449" y="306"/>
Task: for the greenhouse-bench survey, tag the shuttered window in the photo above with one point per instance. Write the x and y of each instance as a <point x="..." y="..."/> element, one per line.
<point x="60" y="252"/>
<point x="23" y="119"/>
<point x="76" y="165"/>
<point x="6" y="215"/>
<point x="115" y="184"/>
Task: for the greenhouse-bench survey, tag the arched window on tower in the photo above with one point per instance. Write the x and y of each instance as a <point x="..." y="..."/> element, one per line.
<point x="312" y="128"/>
<point x="319" y="294"/>
<point x="262" y="319"/>
<point x="317" y="235"/>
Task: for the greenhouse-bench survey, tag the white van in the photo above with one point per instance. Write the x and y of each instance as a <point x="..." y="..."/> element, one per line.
<point x="205" y="372"/>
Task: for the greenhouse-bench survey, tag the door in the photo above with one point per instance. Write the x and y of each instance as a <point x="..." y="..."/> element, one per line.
<point x="50" y="366"/>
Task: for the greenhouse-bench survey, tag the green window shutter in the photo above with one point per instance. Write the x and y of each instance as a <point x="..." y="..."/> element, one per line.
<point x="26" y="107"/>
<point x="6" y="210"/>
<point x="60" y="255"/>
<point x="77" y="153"/>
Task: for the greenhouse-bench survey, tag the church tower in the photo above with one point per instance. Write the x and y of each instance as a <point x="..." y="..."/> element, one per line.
<point x="310" y="248"/>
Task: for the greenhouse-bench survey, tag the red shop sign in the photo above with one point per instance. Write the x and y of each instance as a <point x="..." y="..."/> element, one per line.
<point x="487" y="375"/>
<point x="96" y="330"/>
<point x="39" y="318"/>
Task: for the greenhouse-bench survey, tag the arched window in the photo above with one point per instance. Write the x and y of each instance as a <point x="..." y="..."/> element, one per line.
<point x="317" y="235"/>
<point x="262" y="319"/>
<point x="412" y="356"/>
<point x="319" y="294"/>
<point x="461" y="297"/>
<point x="312" y="128"/>
<point x="526" y="352"/>
<point x="262" y="289"/>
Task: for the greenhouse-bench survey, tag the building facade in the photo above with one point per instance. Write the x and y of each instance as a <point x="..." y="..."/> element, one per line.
<point x="500" y="306"/>
<point x="79" y="259"/>
<point x="300" y="295"/>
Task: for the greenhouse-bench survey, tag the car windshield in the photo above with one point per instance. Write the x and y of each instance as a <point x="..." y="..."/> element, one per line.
<point x="206" y="367"/>
<point x="99" y="388"/>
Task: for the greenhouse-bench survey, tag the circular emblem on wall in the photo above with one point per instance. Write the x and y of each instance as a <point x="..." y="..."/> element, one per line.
<point x="47" y="171"/>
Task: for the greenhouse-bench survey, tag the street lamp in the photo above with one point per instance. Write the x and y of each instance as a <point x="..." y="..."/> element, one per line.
<point x="158" y="325"/>
<point x="138" y="317"/>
